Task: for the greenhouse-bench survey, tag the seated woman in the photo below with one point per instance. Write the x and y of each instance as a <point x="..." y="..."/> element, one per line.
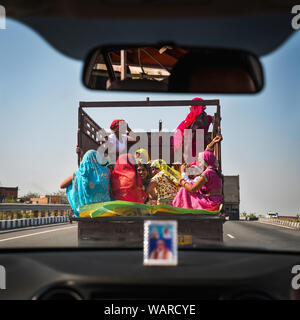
<point x="89" y="184"/>
<point x="144" y="171"/>
<point x="206" y="192"/>
<point x="126" y="183"/>
<point x="161" y="190"/>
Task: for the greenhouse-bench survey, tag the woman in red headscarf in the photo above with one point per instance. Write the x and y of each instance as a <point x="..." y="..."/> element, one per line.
<point x="196" y="119"/>
<point x="206" y="192"/>
<point x="126" y="183"/>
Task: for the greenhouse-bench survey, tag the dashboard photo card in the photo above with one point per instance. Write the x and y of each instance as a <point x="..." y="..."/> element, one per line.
<point x="160" y="243"/>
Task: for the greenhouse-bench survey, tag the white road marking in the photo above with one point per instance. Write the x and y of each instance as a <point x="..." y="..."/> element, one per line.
<point x="278" y="225"/>
<point x="37" y="233"/>
<point x="230" y="236"/>
<point x="43" y="226"/>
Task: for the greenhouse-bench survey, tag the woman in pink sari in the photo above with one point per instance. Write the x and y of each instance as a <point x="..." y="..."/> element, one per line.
<point x="196" y="119"/>
<point x="206" y="192"/>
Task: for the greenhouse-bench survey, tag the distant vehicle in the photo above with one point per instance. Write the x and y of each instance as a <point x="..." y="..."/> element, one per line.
<point x="272" y="214"/>
<point x="252" y="217"/>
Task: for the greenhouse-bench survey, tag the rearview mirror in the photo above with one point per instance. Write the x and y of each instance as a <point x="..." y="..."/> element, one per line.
<point x="169" y="68"/>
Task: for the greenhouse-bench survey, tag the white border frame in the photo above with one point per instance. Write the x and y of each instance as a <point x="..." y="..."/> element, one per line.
<point x="160" y="262"/>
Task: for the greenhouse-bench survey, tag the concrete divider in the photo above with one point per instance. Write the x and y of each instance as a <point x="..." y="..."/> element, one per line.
<point x="20" y="215"/>
<point x="3" y="224"/>
<point x="284" y="223"/>
<point x="31" y="222"/>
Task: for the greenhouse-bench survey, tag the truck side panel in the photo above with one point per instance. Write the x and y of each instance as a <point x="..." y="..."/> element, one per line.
<point x="231" y="189"/>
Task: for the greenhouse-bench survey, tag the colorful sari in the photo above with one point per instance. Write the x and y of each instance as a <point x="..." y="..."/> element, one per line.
<point x="90" y="183"/>
<point x="126" y="183"/>
<point x="166" y="188"/>
<point x="202" y="198"/>
<point x="187" y="124"/>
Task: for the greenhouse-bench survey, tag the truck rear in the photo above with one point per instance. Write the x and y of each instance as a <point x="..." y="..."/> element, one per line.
<point x="192" y="230"/>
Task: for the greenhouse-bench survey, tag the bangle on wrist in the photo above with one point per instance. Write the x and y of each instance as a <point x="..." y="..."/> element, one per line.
<point x="210" y="148"/>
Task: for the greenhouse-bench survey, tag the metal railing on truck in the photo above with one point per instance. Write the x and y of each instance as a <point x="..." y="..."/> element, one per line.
<point x="88" y="128"/>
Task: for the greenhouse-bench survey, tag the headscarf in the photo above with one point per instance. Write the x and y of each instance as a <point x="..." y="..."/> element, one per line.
<point x="187" y="123"/>
<point x="207" y="159"/>
<point x="194" y="113"/>
<point x="115" y="124"/>
<point x="189" y="120"/>
<point x="126" y="183"/>
<point x="90" y="183"/>
<point x="170" y="173"/>
<point x="144" y="156"/>
<point x="156" y="163"/>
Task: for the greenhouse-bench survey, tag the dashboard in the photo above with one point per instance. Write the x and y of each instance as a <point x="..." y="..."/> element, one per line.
<point x="75" y="274"/>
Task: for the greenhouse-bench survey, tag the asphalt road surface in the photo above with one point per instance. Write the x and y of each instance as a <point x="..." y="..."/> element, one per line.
<point x="257" y="234"/>
<point x="236" y="233"/>
<point x="57" y="235"/>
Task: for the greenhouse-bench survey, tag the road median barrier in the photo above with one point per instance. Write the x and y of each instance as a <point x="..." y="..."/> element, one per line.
<point x="15" y="215"/>
<point x="283" y="223"/>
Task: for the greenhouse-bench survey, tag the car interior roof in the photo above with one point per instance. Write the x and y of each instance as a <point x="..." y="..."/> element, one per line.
<point x="143" y="8"/>
<point x="75" y="28"/>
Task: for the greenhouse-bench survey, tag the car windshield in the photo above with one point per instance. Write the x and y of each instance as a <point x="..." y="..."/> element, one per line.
<point x="40" y="93"/>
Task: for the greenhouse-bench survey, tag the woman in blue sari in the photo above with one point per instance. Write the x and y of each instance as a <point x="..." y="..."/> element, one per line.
<point x="89" y="184"/>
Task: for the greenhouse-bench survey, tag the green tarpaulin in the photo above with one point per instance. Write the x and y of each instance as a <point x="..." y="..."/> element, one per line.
<point x="124" y="208"/>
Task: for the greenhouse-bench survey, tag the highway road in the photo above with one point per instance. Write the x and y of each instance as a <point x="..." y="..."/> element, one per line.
<point x="57" y="235"/>
<point x="260" y="235"/>
<point x="236" y="233"/>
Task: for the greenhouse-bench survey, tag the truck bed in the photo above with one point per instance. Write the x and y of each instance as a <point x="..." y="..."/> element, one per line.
<point x="193" y="230"/>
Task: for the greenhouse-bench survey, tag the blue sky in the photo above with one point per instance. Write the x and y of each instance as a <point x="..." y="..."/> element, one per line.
<point x="40" y="90"/>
